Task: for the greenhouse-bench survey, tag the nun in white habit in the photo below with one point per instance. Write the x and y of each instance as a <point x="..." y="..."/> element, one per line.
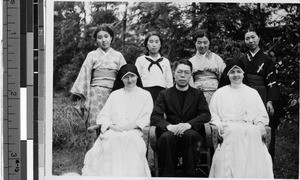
<point x="240" y="115"/>
<point x="120" y="149"/>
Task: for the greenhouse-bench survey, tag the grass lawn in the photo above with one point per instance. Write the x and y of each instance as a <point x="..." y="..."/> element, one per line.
<point x="67" y="161"/>
<point x="286" y="161"/>
<point x="69" y="146"/>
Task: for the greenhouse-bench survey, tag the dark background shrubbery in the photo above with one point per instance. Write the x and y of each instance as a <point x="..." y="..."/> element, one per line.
<point x="225" y="21"/>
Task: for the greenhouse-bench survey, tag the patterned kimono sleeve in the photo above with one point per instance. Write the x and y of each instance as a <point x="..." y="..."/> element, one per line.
<point x="221" y="66"/>
<point x="104" y="117"/>
<point x="81" y="85"/>
<point x="192" y="82"/>
<point x="122" y="60"/>
<point x="147" y="107"/>
<point x="272" y="86"/>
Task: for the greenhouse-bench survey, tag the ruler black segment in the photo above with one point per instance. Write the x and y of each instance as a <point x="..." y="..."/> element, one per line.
<point x="36" y="13"/>
<point x="35" y="85"/>
<point x="24" y="160"/>
<point x="23" y="45"/>
<point x="35" y="133"/>
<point x="35" y="57"/>
<point x="35" y="24"/>
<point x="23" y="60"/>
<point x="35" y="107"/>
<point x="23" y="17"/>
<point x="35" y="150"/>
<point x="29" y="7"/>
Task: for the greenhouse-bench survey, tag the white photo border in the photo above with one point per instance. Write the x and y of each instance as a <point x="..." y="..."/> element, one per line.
<point x="45" y="170"/>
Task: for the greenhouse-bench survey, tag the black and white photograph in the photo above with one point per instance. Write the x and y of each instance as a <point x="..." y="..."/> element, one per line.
<point x="172" y="89"/>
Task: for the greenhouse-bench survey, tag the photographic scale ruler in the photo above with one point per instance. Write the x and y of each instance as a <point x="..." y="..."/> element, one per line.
<point x="22" y="53"/>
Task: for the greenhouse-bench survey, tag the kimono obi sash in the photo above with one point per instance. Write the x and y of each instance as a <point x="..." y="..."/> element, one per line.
<point x="203" y="75"/>
<point x="206" y="80"/>
<point x="103" y="77"/>
<point x="256" y="80"/>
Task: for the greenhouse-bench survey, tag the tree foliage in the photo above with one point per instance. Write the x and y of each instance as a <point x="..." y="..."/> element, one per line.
<point x="66" y="39"/>
<point x="177" y="22"/>
<point x="285" y="49"/>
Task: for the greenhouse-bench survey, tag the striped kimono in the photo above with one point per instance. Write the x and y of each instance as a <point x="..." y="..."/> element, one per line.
<point x="95" y="81"/>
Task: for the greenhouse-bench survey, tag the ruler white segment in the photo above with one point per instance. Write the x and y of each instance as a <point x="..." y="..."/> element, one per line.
<point x="23" y="113"/>
<point x="29" y="159"/>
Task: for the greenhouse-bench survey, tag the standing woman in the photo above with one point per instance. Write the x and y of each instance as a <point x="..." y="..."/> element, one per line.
<point x="97" y="75"/>
<point x="207" y="66"/>
<point x="262" y="77"/>
<point x="155" y="70"/>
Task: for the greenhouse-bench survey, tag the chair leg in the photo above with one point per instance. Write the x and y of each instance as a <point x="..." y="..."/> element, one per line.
<point x="208" y="157"/>
<point x="156" y="168"/>
<point x="204" y="166"/>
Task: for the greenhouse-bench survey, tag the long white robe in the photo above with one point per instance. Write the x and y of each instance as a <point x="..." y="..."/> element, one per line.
<point x="242" y="153"/>
<point x="121" y="153"/>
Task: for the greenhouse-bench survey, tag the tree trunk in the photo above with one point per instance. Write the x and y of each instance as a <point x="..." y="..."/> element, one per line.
<point x="124" y="23"/>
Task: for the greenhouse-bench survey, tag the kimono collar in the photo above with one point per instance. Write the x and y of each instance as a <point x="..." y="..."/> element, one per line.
<point x="201" y="55"/>
<point x="102" y="51"/>
<point x="253" y="54"/>
<point x="207" y="54"/>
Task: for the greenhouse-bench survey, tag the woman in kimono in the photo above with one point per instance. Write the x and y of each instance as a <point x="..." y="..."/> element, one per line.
<point x="120" y="149"/>
<point x="262" y="77"/>
<point x="154" y="69"/>
<point x="240" y="115"/>
<point x="97" y="75"/>
<point x="207" y="66"/>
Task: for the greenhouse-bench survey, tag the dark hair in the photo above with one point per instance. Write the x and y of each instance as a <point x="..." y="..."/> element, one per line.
<point x="183" y="61"/>
<point x="105" y="28"/>
<point x="252" y="29"/>
<point x="118" y="84"/>
<point x="201" y="33"/>
<point x="224" y="80"/>
<point x="153" y="33"/>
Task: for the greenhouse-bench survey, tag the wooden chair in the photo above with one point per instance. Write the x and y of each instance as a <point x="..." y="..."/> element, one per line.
<point x="216" y="139"/>
<point x="204" y="151"/>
